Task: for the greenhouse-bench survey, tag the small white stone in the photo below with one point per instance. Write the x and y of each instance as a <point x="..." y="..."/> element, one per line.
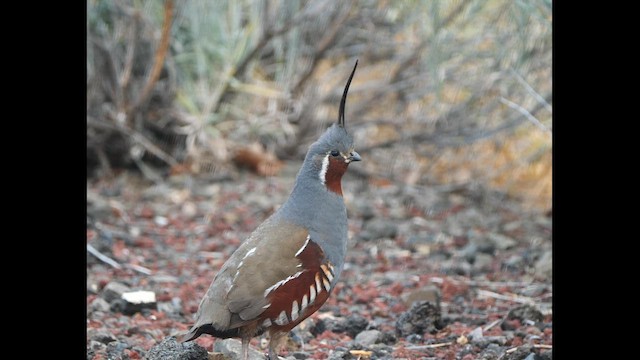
<point x="139" y="297"/>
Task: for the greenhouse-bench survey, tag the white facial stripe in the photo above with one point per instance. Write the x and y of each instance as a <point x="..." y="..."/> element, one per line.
<point x="323" y="170"/>
<point x="304" y="246"/>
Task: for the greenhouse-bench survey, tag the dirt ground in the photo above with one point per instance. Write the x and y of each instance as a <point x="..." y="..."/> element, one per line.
<point x="437" y="272"/>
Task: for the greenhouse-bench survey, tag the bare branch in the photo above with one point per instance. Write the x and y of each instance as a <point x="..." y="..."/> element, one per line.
<point x="531" y="91"/>
<point x="136" y="136"/>
<point x="138" y="268"/>
<point x="526" y="114"/>
<point x="268" y="35"/>
<point x="510" y="297"/>
<point x="115" y="90"/>
<point x="494" y="323"/>
<point x="104" y="258"/>
<point x="455" y="13"/>
<point x="161" y="53"/>
<point x="125" y="77"/>
<point x="429" y="346"/>
<point x="327" y="40"/>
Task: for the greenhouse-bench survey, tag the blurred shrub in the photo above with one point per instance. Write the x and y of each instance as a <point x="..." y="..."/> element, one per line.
<point x="453" y="91"/>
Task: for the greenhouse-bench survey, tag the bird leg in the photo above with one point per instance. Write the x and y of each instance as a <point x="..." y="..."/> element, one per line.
<point x="275" y="343"/>
<point x="245" y="347"/>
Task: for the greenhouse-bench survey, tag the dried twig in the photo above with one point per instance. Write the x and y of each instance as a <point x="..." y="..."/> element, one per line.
<point x="526" y="114"/>
<point x="536" y="346"/>
<point x="494" y="323"/>
<point x="510" y="297"/>
<point x="136" y="136"/>
<point x="531" y="90"/>
<point x="455" y="13"/>
<point x="430" y="346"/>
<point x="104" y="258"/>
<point x="239" y="70"/>
<point x="491" y="284"/>
<point x="327" y="40"/>
<point x="115" y="91"/>
<point x="408" y="62"/>
<point x="138" y="268"/>
<point x="456" y="139"/>
<point x="125" y="77"/>
<point x="268" y="35"/>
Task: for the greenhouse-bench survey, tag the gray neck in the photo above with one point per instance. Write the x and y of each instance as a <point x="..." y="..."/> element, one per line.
<point x="321" y="211"/>
<point x="311" y="204"/>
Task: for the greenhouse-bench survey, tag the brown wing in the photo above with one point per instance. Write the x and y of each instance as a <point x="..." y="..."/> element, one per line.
<point x="277" y="277"/>
<point x="293" y="299"/>
<point x="280" y="288"/>
<point x="236" y="294"/>
<point x="269" y="258"/>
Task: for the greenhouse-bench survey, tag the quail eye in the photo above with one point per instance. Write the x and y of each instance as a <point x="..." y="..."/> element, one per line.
<point x="335" y="153"/>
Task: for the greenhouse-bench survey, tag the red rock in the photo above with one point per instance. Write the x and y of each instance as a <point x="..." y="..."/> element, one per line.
<point x="119" y="249"/>
<point x="144" y="242"/>
<point x="132" y="354"/>
<point x="396" y="289"/>
<point x="451" y="289"/>
<point x="517" y="341"/>
<point x="147" y="212"/>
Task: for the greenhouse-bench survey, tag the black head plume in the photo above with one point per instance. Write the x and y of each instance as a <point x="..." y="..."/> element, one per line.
<point x="344" y="98"/>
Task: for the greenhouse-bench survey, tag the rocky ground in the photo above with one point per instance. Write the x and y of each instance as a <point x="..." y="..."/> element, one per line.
<point x="444" y="272"/>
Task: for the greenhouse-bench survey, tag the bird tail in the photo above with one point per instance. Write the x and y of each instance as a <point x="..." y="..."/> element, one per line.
<point x="195" y="332"/>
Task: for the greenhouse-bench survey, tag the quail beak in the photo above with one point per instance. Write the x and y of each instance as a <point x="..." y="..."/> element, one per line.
<point x="354" y="156"/>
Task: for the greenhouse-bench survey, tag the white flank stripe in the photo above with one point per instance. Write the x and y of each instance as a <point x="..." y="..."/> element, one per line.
<point x="294" y="310"/>
<point x="326" y="284"/>
<point x="266" y="323"/>
<point x="282" y="319"/>
<point x="318" y="286"/>
<point x="303" y="303"/>
<point x="312" y="296"/>
<point x="323" y="171"/>
<point x="280" y="283"/>
<point x="329" y="276"/>
<point x="327" y="272"/>
<point x="304" y="246"/>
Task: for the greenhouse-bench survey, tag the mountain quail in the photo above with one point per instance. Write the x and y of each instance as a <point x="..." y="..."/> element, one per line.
<point x="286" y="269"/>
